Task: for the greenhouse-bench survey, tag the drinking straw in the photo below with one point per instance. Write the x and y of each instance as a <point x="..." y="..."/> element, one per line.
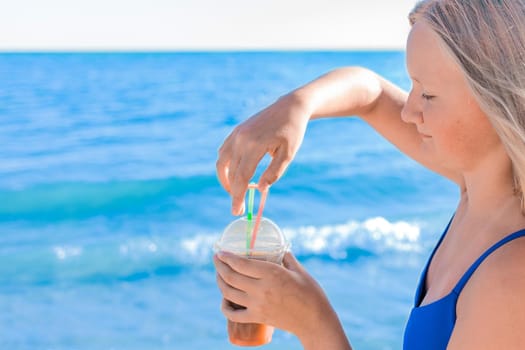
<point x="258" y="219"/>
<point x="249" y="215"/>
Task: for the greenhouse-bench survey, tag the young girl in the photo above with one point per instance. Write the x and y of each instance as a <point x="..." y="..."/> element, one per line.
<point x="464" y="119"/>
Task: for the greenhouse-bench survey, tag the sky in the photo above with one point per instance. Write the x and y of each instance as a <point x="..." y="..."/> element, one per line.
<point x="203" y="24"/>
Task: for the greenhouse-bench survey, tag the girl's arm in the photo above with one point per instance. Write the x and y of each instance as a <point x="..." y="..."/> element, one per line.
<point x="279" y="129"/>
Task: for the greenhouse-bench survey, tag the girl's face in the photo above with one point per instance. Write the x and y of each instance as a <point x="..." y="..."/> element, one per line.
<point x="452" y="126"/>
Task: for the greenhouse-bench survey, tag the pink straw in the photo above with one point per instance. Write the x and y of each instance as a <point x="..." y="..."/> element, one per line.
<point x="259" y="217"/>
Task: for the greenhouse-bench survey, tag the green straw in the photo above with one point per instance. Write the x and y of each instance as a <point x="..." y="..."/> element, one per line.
<point x="249" y="215"/>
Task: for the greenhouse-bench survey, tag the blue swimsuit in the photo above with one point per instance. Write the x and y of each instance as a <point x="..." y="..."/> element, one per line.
<point x="430" y="326"/>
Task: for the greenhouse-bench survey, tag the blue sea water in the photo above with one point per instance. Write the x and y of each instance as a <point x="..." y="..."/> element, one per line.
<point x="110" y="204"/>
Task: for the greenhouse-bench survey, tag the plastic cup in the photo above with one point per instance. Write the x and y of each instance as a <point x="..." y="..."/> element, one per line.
<point x="269" y="246"/>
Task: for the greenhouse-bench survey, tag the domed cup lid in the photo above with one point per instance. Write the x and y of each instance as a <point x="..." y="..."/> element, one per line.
<point x="237" y="236"/>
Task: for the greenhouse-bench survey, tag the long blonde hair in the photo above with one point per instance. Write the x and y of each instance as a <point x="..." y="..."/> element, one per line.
<point x="487" y="40"/>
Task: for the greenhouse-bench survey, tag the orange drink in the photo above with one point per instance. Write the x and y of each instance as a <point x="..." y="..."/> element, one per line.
<point x="270" y="246"/>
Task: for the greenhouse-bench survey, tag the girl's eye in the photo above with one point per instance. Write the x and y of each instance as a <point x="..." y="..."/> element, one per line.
<point x="427" y="97"/>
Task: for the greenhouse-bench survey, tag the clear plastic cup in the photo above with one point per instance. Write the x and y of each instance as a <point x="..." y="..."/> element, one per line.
<point x="270" y="245"/>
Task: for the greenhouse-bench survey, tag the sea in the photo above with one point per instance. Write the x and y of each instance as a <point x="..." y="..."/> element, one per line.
<point x="110" y="204"/>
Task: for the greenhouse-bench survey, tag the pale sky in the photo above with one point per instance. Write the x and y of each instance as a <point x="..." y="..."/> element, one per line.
<point x="202" y="24"/>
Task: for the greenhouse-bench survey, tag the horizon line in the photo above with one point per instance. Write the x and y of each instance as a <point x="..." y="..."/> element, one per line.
<point x="198" y="50"/>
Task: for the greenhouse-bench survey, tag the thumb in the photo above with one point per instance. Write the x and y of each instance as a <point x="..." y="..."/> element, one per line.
<point x="275" y="170"/>
<point x="291" y="263"/>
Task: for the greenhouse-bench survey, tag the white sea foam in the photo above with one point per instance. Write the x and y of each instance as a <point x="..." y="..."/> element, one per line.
<point x="199" y="247"/>
<point x="374" y="235"/>
<point x="339" y="242"/>
<point x="65" y="252"/>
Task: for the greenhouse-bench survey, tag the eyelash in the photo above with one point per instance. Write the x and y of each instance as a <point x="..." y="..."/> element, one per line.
<point x="427" y="97"/>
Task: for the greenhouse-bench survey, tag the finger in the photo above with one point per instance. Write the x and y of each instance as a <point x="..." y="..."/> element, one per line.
<point x="253" y="268"/>
<point x="291" y="263"/>
<point x="232" y="167"/>
<point x="223" y="162"/>
<point x="234" y="314"/>
<point x="222" y="168"/>
<point x="239" y="185"/>
<point x="232" y="163"/>
<point x="232" y="277"/>
<point x="276" y="169"/>
<point x="238" y="194"/>
<point x="232" y="294"/>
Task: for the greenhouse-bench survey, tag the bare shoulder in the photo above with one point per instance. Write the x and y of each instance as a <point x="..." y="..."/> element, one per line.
<point x="491" y="308"/>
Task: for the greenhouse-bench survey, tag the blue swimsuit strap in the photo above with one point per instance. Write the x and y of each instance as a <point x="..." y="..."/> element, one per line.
<point x="421" y="288"/>
<point x="465" y="278"/>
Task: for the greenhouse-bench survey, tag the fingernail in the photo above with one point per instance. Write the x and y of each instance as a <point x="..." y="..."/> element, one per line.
<point x="223" y="254"/>
<point x="241" y="211"/>
<point x="236" y="211"/>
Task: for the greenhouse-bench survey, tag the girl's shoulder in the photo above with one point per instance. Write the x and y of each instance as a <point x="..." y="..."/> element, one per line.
<point x="491" y="308"/>
<point x="503" y="271"/>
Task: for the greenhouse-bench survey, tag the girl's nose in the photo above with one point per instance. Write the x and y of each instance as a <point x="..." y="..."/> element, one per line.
<point x="411" y="112"/>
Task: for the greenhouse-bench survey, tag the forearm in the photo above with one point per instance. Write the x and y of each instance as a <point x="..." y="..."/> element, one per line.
<point x="326" y="333"/>
<point x="342" y="92"/>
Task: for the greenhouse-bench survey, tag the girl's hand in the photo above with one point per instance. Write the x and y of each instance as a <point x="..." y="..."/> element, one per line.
<point x="284" y="296"/>
<point x="277" y="130"/>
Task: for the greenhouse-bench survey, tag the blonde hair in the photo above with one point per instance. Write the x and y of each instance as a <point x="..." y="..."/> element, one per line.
<point x="487" y="40"/>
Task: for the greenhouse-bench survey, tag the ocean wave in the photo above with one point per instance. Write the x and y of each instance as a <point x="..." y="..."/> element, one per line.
<point x="74" y="200"/>
<point x="375" y="235"/>
<point x="138" y="258"/>
<point x="338" y="242"/>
